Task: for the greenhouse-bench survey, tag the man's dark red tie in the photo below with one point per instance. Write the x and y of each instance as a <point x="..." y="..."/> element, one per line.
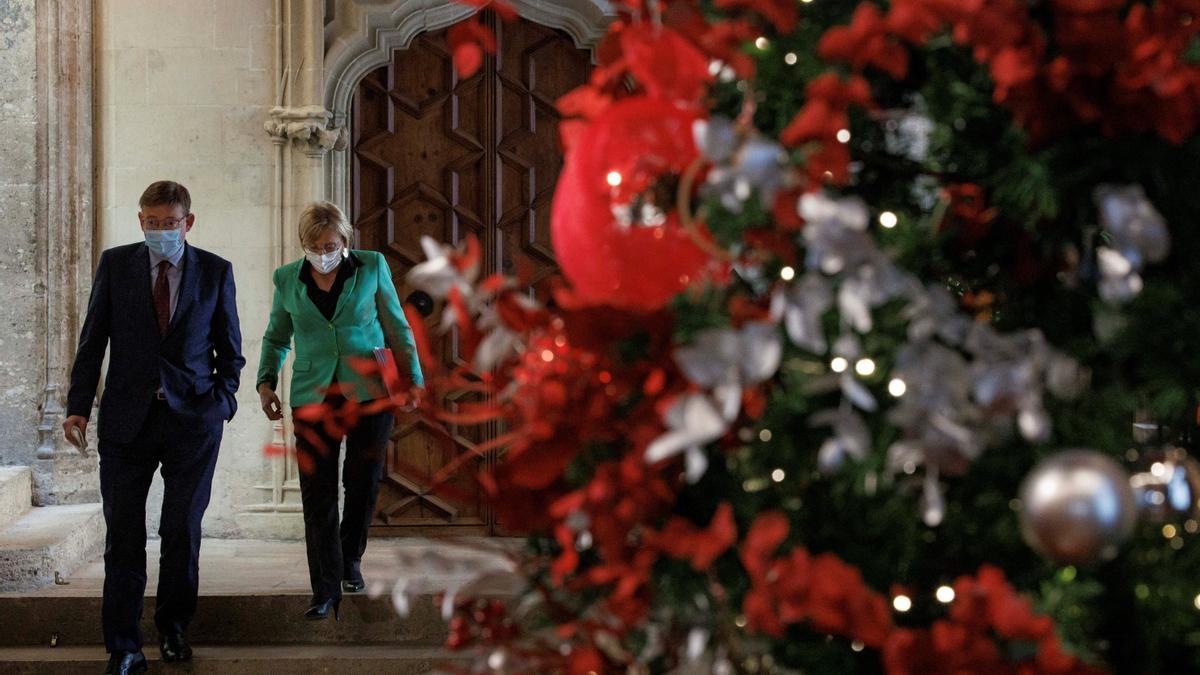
<point x="162" y="297"/>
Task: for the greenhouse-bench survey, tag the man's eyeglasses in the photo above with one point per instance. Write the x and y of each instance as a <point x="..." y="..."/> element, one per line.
<point x="164" y="224"/>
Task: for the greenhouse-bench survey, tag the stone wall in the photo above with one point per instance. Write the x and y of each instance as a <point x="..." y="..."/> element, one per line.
<point x="182" y="92"/>
<point x="22" y="328"/>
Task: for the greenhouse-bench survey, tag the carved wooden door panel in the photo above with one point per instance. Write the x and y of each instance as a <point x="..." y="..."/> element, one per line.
<point x="439" y="156"/>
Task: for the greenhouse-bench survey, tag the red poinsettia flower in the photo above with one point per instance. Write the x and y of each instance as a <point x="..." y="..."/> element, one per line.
<point x="867" y="41"/>
<point x="824" y="113"/>
<point x="679" y="538"/>
<point x="766" y="533"/>
<point x="726" y="40"/>
<point x="783" y="14"/>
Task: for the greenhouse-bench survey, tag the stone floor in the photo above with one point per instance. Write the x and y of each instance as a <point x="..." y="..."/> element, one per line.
<point x="249" y="617"/>
<point x="242" y="566"/>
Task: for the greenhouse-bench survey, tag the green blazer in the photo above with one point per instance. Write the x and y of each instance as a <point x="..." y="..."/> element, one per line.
<point x="368" y="316"/>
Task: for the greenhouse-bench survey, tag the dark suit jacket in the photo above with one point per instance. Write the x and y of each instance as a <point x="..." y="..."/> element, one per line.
<point x="197" y="363"/>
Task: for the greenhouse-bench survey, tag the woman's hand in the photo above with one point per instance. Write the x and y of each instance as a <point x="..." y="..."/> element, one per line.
<point x="270" y="402"/>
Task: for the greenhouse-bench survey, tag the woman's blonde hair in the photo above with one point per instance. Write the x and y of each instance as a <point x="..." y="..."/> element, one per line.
<point x="319" y="217"/>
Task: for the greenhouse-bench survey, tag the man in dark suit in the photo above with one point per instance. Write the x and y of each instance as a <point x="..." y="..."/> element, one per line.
<point x="167" y="310"/>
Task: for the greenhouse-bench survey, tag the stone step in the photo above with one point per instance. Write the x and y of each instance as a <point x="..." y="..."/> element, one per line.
<point x="238" y="660"/>
<point x="16" y="493"/>
<point x="233" y="619"/>
<point x="49" y="539"/>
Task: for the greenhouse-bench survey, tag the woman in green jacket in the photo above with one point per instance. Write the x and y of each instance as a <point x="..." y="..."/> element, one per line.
<point x="336" y="304"/>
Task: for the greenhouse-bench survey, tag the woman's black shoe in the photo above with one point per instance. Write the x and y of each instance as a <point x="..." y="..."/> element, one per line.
<point x="321" y="610"/>
<point x="353" y="585"/>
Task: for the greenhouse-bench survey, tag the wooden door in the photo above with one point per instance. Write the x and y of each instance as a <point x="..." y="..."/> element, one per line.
<point x="439" y="156"/>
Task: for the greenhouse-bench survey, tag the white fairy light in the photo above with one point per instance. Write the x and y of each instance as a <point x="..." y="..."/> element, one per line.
<point x="778" y="475"/>
<point x="787" y="273"/>
<point x="614" y="178"/>
<point x="1196" y="601"/>
<point x="897" y="387"/>
<point x="764" y="435"/>
<point x="888" y="219"/>
<point x="762" y="42"/>
<point x="790" y="58"/>
<point x="1158" y="469"/>
<point x="944" y="594"/>
<point x="839" y="364"/>
<point x="864" y="367"/>
<point x="902" y="603"/>
<point x="843" y="135"/>
<point x="547" y="355"/>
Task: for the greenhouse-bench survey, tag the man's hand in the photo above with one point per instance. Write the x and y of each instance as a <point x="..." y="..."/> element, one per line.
<point x="75" y="430"/>
<point x="270" y="402"/>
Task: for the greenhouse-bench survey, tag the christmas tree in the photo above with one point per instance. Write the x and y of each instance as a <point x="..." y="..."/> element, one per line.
<point x="862" y="302"/>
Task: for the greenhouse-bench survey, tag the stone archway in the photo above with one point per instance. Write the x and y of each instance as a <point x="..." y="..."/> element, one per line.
<point x="362" y="37"/>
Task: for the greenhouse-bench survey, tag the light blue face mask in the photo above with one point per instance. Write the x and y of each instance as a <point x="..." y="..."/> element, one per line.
<point x="165" y="243"/>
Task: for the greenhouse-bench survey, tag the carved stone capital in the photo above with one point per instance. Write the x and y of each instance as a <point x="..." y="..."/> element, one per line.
<point x="308" y="126"/>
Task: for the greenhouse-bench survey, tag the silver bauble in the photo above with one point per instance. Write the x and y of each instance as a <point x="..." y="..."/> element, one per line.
<point x="1169" y="487"/>
<point x="1077" y="507"/>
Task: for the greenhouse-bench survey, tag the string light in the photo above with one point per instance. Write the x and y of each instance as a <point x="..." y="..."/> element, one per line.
<point x="839" y="364"/>
<point x="762" y="42"/>
<point x="614" y="178"/>
<point x="790" y="58"/>
<point x="1196" y="601"/>
<point x="857" y="645"/>
<point x="1158" y="469"/>
<point x="902" y="603"/>
<point x="897" y="387"/>
<point x="1168" y="531"/>
<point x="843" y="135"/>
<point x="547" y="355"/>
<point x="864" y="367"/>
<point x="888" y="219"/>
<point x="787" y="273"/>
<point x="764" y="435"/>
<point x="778" y="475"/>
<point x="944" y="594"/>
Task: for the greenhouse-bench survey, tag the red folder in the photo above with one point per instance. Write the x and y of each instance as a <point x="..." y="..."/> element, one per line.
<point x="389" y="373"/>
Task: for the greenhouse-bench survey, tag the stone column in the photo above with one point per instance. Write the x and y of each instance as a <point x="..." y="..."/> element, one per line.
<point x="300" y="127"/>
<point x="65" y="76"/>
<point x="46" y="209"/>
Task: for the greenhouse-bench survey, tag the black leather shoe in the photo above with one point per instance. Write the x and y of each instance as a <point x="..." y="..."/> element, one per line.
<point x="350" y="585"/>
<point x="321" y="610"/>
<point x="126" y="663"/>
<point x="174" y="647"/>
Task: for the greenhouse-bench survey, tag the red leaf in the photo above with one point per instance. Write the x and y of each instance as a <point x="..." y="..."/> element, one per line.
<point x="468" y="40"/>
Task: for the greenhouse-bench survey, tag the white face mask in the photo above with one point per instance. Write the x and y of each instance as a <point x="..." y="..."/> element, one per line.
<point x="325" y="262"/>
<point x="165" y="243"/>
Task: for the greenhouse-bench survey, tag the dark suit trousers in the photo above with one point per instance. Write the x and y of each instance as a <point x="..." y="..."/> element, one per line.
<point x="188" y="456"/>
<point x="334" y="552"/>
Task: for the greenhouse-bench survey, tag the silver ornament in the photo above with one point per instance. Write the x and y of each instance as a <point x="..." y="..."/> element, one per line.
<point x="1077" y="507"/>
<point x="1169" y="487"/>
